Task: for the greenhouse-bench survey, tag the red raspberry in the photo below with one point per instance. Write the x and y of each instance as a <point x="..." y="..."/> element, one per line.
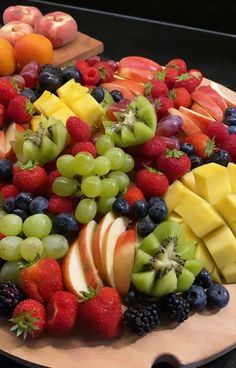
<point x="230" y="146"/>
<point x="218" y="132"/>
<point x="8" y="191"/>
<point x="51" y="177"/>
<point x="105" y="71"/>
<point x="132" y="195"/>
<point x="84" y="147"/>
<point x="81" y="65"/>
<point x="78" y="129"/>
<point x="153" y="148"/>
<point x="57" y="205"/>
<point x="91" y="76"/>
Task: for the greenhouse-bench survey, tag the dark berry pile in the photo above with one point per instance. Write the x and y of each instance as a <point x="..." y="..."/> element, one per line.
<point x="142" y="318"/>
<point x="10" y="296"/>
<point x="176" y="307"/>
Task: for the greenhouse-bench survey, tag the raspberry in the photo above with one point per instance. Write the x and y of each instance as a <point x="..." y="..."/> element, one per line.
<point x="132" y="195"/>
<point x="153" y="148"/>
<point x="84" y="147"/>
<point x="218" y="132"/>
<point x="8" y="191"/>
<point x="57" y="205"/>
<point x="78" y="129"/>
<point x="230" y="146"/>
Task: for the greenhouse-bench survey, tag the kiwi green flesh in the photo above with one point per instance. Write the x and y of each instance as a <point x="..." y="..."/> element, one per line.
<point x="60" y="136"/>
<point x="170" y="228"/>
<point x="148" y="114"/>
<point x="185" y="280"/>
<point x="49" y="150"/>
<point x="150" y="244"/>
<point x="141" y="258"/>
<point x="31" y="151"/>
<point x="143" y="281"/>
<point x="108" y="100"/>
<point x="142" y="132"/>
<point x="127" y="137"/>
<point x="187" y="249"/>
<point x="165" y="285"/>
<point x="194" y="266"/>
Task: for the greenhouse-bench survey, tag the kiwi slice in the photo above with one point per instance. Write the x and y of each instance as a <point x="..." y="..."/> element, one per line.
<point x="136" y="126"/>
<point x="107" y="100"/>
<point x="164" y="261"/>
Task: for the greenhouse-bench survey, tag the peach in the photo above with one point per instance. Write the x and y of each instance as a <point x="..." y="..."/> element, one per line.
<point x="59" y="27"/>
<point x="26" y="14"/>
<point x="14" y="30"/>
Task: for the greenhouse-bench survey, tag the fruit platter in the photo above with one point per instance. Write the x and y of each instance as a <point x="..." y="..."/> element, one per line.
<point x="117" y="207"/>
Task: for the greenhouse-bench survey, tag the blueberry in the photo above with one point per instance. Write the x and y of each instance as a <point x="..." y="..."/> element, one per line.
<point x="158" y="211"/>
<point x="38" y="205"/>
<point x="140" y="208"/>
<point x="188" y="148"/>
<point x="154" y="200"/>
<point x="203" y="279"/>
<point x="196" y="297"/>
<point x="220" y="157"/>
<point x="116" y="95"/>
<point x="9" y="205"/>
<point x="230" y="116"/>
<point x="21" y="213"/>
<point x="146" y="226"/>
<point x="29" y="93"/>
<point x="232" y="129"/>
<point x="98" y="94"/>
<point x="65" y="224"/>
<point x="217" y="296"/>
<point x="6" y="167"/>
<point x="195" y="161"/>
<point x="71" y="72"/>
<point x="23" y="200"/>
<point x="50" y="81"/>
<point x="121" y="207"/>
<point x="133" y="297"/>
<point x="52" y="69"/>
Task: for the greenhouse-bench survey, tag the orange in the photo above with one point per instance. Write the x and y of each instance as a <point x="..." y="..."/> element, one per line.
<point x="7" y="58"/>
<point x="33" y="47"/>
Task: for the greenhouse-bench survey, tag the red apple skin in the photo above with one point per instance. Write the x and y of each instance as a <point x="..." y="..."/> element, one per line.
<point x="228" y="95"/>
<point x="139" y="62"/>
<point x="59" y="27"/>
<point x="138" y="75"/>
<point x="14" y="30"/>
<point x="25" y="14"/>
<point x="2" y="144"/>
<point x="214" y="96"/>
<point x="200" y="110"/>
<point x="188" y="126"/>
<point x="134" y="87"/>
<point x="208" y="104"/>
<point x="201" y="120"/>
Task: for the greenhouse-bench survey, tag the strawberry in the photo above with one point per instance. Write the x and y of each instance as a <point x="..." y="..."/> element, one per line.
<point x="2" y="236"/>
<point x="168" y="75"/>
<point x="41" y="280"/>
<point x="78" y="129"/>
<point x="162" y="104"/>
<point x="132" y="195"/>
<point x="51" y="177"/>
<point x="197" y="75"/>
<point x="141" y="162"/>
<point x="8" y="191"/>
<point x="28" y="319"/>
<point x="180" y="97"/>
<point x="230" y="146"/>
<point x="30" y="178"/>
<point x="151" y="182"/>
<point x="84" y="147"/>
<point x="57" y="205"/>
<point x="189" y="81"/>
<point x="153" y="148"/>
<point x="101" y="313"/>
<point x="90" y="76"/>
<point x="7" y="91"/>
<point x="3" y="115"/>
<point x="61" y="313"/>
<point x="20" y="110"/>
<point x="177" y="64"/>
<point x="218" y="132"/>
<point x="203" y="145"/>
<point x="106" y="72"/>
<point x="173" y="164"/>
<point x="156" y="88"/>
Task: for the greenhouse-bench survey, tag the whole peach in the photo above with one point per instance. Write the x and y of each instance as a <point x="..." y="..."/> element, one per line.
<point x="26" y="14"/>
<point x="59" y="27"/>
<point x="12" y="31"/>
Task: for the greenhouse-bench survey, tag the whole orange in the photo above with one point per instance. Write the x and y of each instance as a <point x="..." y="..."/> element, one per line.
<point x="35" y="47"/>
<point x="7" y="58"/>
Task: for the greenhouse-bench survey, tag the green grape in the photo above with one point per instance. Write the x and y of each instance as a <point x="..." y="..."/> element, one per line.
<point x="128" y="164"/>
<point x="66" y="166"/>
<point x="91" y="186"/>
<point x="84" y="163"/>
<point x="64" y="187"/>
<point x="121" y="178"/>
<point x="55" y="246"/>
<point x="10" y="272"/>
<point x="102" y="165"/>
<point x="86" y="210"/>
<point x="10" y="248"/>
<point x="116" y="156"/>
<point x="109" y="188"/>
<point x="2" y="214"/>
<point x="10" y="225"/>
<point x="105" y="205"/>
<point x="31" y="248"/>
<point x="38" y="226"/>
<point x="103" y="143"/>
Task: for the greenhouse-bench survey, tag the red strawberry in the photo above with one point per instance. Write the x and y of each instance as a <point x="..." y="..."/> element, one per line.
<point x="7" y="91"/>
<point x="189" y="81"/>
<point x="20" y="110"/>
<point x="141" y="162"/>
<point x="106" y="71"/>
<point x="168" y="76"/>
<point x="132" y="195"/>
<point x="8" y="191"/>
<point x="41" y="280"/>
<point x="2" y="236"/>
<point x="57" y="205"/>
<point x="180" y="97"/>
<point x="151" y="182"/>
<point x="61" y="313"/>
<point x="3" y="115"/>
<point x="101" y="314"/>
<point x="28" y="319"/>
<point x="156" y="88"/>
<point x="173" y="164"/>
<point x="78" y="129"/>
<point x="84" y="147"/>
<point x="162" y="104"/>
<point x="218" y="132"/>
<point x="230" y="146"/>
<point x="30" y="178"/>
<point x="203" y="145"/>
<point x="197" y="75"/>
<point x="177" y="64"/>
<point x="153" y="148"/>
<point x="51" y="177"/>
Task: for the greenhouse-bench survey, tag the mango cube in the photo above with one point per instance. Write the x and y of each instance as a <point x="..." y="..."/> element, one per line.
<point x="216" y="276"/>
<point x="63" y="114"/>
<point x="175" y="217"/>
<point x="51" y="105"/>
<point x="231" y="169"/>
<point x="174" y="194"/>
<point x="189" y="201"/>
<point x="221" y="243"/>
<point x="227" y="207"/>
<point x="71" y="91"/>
<point x="229" y="273"/>
<point x="203" y="254"/>
<point x="188" y="233"/>
<point x="34" y="123"/>
<point x="189" y="181"/>
<point x="87" y="108"/>
<point x="44" y="97"/>
<point x="212" y="182"/>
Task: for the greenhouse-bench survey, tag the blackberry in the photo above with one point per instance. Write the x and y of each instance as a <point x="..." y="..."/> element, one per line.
<point x="142" y="318"/>
<point x="10" y="296"/>
<point x="203" y="279"/>
<point x="176" y="307"/>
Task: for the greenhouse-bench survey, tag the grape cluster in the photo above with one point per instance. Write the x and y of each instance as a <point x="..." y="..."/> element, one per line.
<point x="95" y="181"/>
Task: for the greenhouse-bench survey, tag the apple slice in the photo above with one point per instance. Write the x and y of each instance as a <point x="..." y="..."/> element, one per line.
<point x="188" y="126"/>
<point x="134" y="87"/>
<point x="208" y="104"/>
<point x="73" y="272"/>
<point x="199" y="119"/>
<point x="227" y="94"/>
<point x="138" y="75"/>
<point x="116" y="228"/>
<point x="197" y="108"/>
<point x="85" y="242"/>
<point x="209" y="91"/>
<point x="98" y="241"/>
<point x="10" y="136"/>
<point x="140" y="62"/>
<point x="2" y="144"/>
<point x="124" y="260"/>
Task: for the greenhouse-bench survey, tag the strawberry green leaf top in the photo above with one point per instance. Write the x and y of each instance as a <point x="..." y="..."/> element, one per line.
<point x="174" y="153"/>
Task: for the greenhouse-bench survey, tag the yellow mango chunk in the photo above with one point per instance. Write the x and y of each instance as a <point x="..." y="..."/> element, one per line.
<point x="212" y="182"/>
<point x="231" y="169"/>
<point x="202" y="219"/>
<point x="87" y="108"/>
<point x="227" y="207"/>
<point x="174" y="194"/>
<point x="203" y="254"/>
<point x="175" y="217"/>
<point x="62" y="90"/>
<point x="188" y="233"/>
<point x="229" y="273"/>
<point x="44" y="97"/>
<point x="189" y="201"/>
<point x="189" y="181"/>
<point x="232" y="226"/>
<point x="51" y="105"/>
<point x="221" y="243"/>
<point x="63" y="114"/>
<point x="34" y="123"/>
<point x="216" y="276"/>
<point x="71" y="91"/>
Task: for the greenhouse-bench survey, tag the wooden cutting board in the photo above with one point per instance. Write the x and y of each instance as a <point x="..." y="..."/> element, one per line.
<point x="83" y="47"/>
